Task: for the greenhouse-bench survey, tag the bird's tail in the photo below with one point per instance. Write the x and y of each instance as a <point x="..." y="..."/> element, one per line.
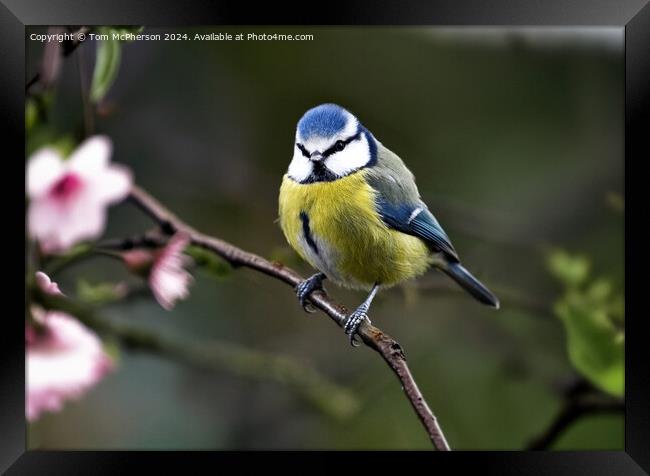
<point x="470" y="284"/>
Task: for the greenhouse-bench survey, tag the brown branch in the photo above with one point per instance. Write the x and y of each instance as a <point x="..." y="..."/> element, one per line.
<point x="373" y="337"/>
<point x="569" y="414"/>
<point x="580" y="399"/>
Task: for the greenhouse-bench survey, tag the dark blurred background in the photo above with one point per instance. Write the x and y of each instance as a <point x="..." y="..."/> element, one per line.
<point x="516" y="140"/>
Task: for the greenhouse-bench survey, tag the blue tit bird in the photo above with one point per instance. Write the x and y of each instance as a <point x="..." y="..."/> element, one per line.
<point x="351" y="209"/>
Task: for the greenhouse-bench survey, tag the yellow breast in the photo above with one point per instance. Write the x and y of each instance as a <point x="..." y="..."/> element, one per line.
<point x="348" y="240"/>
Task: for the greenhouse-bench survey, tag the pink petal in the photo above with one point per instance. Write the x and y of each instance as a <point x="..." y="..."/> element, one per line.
<point x="44" y="168"/>
<point x="43" y="218"/>
<point x="168" y="280"/>
<point x="112" y="184"/>
<point x="84" y="220"/>
<point x="169" y="286"/>
<point x="45" y="283"/>
<point x="58" y="225"/>
<point x="176" y="245"/>
<point x="91" y="157"/>
<point x="60" y="220"/>
<point x="62" y="364"/>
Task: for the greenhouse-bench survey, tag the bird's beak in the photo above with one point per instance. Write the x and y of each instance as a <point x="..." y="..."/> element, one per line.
<point x="316" y="156"/>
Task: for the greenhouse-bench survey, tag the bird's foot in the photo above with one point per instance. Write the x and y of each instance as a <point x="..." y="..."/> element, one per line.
<point x="354" y="321"/>
<point x="306" y="287"/>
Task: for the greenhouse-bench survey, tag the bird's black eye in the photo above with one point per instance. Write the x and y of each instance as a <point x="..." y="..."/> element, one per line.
<point x="339" y="145"/>
<point x="303" y="150"/>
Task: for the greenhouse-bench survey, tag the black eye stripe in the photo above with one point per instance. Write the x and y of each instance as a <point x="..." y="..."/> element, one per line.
<point x="338" y="146"/>
<point x="303" y="150"/>
<point x="345" y="142"/>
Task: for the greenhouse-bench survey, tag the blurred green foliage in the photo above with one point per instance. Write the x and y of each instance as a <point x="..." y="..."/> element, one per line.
<point x="107" y="65"/>
<point x="99" y="293"/>
<point x="31" y="114"/>
<point x="44" y="136"/>
<point x="109" y="56"/>
<point x="593" y="317"/>
<point x="213" y="265"/>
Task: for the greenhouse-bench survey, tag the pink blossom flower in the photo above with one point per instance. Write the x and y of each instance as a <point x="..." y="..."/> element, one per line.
<point x="63" y="361"/>
<point x="63" y="358"/>
<point x="168" y="279"/>
<point x="69" y="198"/>
<point x="45" y="283"/>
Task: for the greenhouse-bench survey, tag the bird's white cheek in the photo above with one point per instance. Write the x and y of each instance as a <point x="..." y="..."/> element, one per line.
<point x="300" y="167"/>
<point x="353" y="157"/>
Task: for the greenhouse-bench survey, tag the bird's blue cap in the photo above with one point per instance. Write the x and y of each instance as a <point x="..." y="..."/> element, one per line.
<point x="325" y="120"/>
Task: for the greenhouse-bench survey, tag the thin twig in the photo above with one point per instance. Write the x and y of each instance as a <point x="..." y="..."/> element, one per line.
<point x="68" y="48"/>
<point x="373" y="337"/>
<point x="150" y="239"/>
<point x="56" y="264"/>
<point x="568" y="415"/>
<point x="328" y="397"/>
<point x="579" y="399"/>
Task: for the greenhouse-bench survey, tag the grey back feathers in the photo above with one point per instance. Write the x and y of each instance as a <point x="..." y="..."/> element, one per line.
<point x="392" y="178"/>
<point x="400" y="205"/>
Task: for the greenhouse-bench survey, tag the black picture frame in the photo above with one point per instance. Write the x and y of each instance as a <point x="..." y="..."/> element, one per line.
<point x="632" y="15"/>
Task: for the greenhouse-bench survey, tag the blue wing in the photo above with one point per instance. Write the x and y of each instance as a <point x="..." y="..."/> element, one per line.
<point x="417" y="220"/>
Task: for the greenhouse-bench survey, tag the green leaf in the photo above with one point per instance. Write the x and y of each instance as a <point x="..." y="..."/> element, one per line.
<point x="31" y="114"/>
<point x="571" y="270"/>
<point x="100" y="293"/>
<point x="209" y="262"/>
<point x="599" y="291"/>
<point x="593" y="318"/>
<point x="596" y="346"/>
<point x="107" y="64"/>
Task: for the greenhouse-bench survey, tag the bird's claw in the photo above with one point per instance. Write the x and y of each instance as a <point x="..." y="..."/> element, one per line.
<point x="353" y="322"/>
<point x="305" y="288"/>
